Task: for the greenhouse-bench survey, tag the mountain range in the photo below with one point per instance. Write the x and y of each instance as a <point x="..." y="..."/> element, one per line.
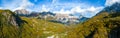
<point x="105" y="24"/>
<point x="53" y="17"/>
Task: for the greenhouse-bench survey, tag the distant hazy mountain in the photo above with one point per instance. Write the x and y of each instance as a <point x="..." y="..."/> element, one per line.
<point x="66" y="18"/>
<point x="46" y="13"/>
<point x="22" y="12"/>
<point x="83" y="19"/>
<point x="33" y="14"/>
<point x="61" y="18"/>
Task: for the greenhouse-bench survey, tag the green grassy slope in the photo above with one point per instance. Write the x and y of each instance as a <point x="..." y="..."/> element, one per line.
<point x="104" y="25"/>
<point x="13" y="26"/>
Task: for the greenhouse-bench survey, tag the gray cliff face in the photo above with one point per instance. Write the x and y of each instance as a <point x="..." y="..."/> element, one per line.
<point x="9" y="18"/>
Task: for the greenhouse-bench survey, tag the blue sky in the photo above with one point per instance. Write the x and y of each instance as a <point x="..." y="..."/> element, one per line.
<point x="87" y="8"/>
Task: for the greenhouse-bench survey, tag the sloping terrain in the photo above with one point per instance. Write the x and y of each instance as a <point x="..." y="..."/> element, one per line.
<point x="13" y="26"/>
<point x="105" y="24"/>
<point x="99" y="27"/>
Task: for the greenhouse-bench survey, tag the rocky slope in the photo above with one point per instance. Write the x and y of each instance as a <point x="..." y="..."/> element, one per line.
<point x="9" y="24"/>
<point x="10" y="18"/>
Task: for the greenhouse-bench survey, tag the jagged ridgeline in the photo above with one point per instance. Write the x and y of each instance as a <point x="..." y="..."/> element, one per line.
<point x="13" y="26"/>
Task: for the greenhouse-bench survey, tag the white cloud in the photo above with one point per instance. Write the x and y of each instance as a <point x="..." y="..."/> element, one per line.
<point x="10" y="4"/>
<point x="77" y="9"/>
<point x="16" y="4"/>
<point x="44" y="8"/>
<point x="55" y="7"/>
<point x="24" y="4"/>
<point x="54" y="1"/>
<point x="88" y="12"/>
<point x="1" y="8"/>
<point x="71" y="8"/>
<point x="63" y="11"/>
<point x="110" y="2"/>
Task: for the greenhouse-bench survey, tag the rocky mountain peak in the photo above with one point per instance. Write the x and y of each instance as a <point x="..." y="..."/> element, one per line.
<point x="8" y="17"/>
<point x="113" y="8"/>
<point x="22" y="11"/>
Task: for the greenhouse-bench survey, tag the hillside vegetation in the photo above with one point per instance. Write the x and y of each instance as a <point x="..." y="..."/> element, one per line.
<point x="13" y="26"/>
<point x="103" y="25"/>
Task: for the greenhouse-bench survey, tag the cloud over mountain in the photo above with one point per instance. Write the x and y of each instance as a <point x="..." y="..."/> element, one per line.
<point x="24" y="4"/>
<point x="110" y="2"/>
<point x="57" y="6"/>
<point x="15" y="4"/>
